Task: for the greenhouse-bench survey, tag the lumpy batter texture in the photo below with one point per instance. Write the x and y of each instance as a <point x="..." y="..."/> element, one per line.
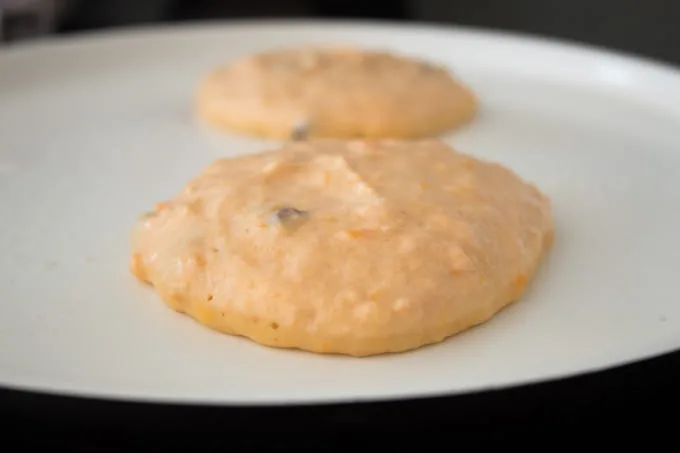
<point x="349" y="247"/>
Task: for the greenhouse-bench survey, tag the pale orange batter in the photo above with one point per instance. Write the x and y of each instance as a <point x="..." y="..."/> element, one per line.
<point x="337" y="92"/>
<point x="356" y="247"/>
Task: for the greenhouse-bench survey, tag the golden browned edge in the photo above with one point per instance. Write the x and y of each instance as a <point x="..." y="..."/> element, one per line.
<point x="269" y="334"/>
<point x="265" y="130"/>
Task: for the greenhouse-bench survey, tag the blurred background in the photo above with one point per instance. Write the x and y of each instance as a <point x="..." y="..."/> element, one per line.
<point x="645" y="27"/>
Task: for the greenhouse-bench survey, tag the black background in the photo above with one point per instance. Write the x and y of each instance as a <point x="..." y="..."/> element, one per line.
<point x="639" y="400"/>
<point x="645" y="27"/>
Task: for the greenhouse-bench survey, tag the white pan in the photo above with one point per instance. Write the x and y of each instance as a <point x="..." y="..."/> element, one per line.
<point x="95" y="129"/>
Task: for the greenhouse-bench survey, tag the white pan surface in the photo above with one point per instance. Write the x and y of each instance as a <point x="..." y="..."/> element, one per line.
<point x="96" y="129"/>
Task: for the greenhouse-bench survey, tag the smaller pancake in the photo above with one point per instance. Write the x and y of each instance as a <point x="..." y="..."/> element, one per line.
<point x="335" y="93"/>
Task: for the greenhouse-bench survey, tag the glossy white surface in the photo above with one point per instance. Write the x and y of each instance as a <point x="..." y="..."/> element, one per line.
<point x="95" y="130"/>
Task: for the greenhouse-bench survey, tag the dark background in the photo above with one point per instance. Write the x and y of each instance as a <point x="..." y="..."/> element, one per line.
<point x="636" y="400"/>
<point x="646" y="27"/>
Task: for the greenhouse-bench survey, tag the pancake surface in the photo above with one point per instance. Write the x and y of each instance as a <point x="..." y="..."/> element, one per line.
<point x="348" y="247"/>
<point x="336" y="92"/>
